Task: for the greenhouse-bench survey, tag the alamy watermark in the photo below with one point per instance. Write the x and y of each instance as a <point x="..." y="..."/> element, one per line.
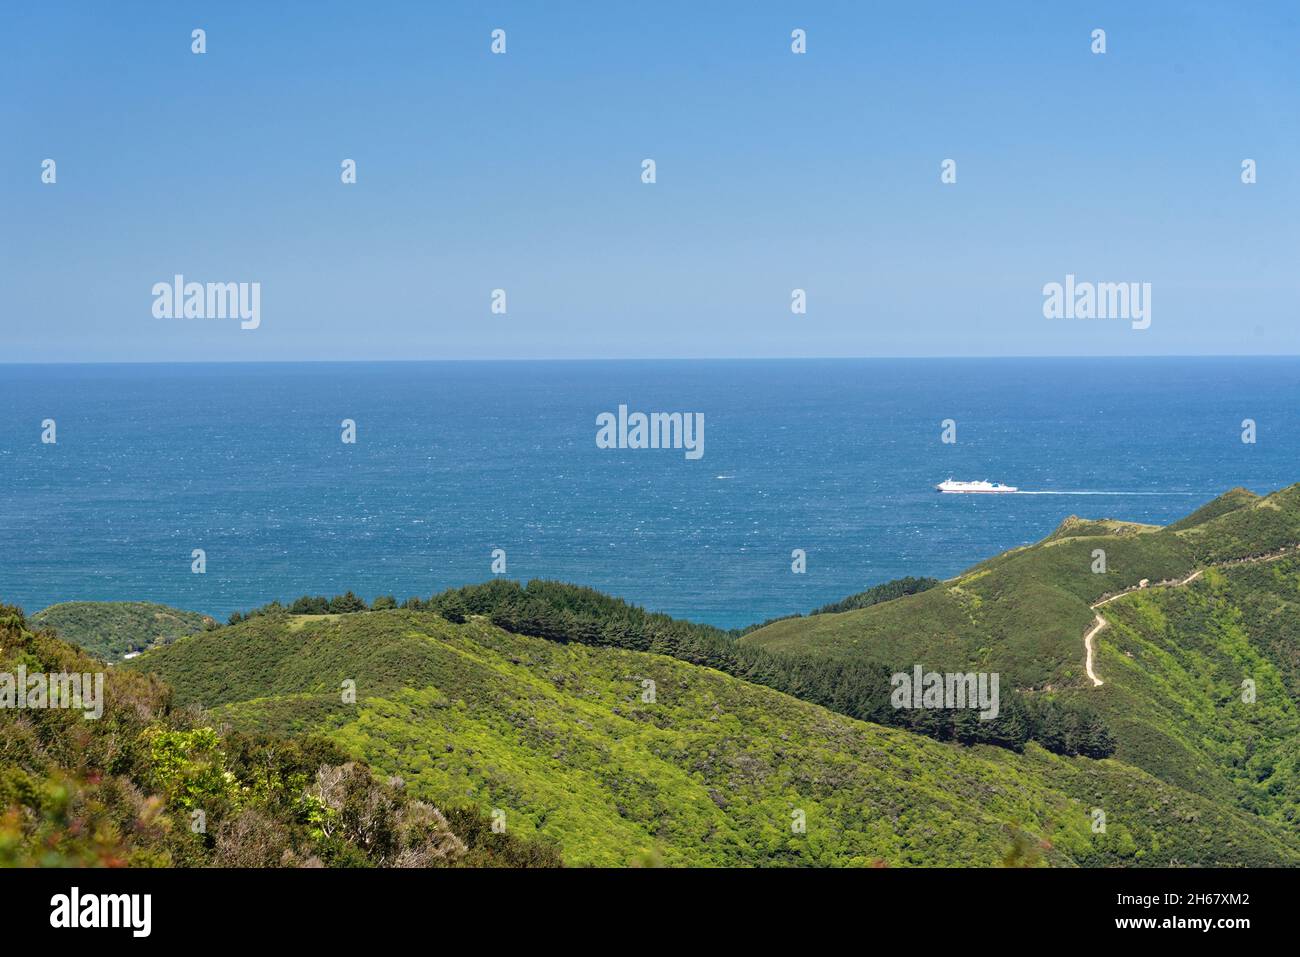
<point x="932" y="689"/>
<point x="59" y="690"/>
<point x="655" y="430"/>
<point x="130" y="911"/>
<point x="1102" y="300"/>
<point x="179" y="299"/>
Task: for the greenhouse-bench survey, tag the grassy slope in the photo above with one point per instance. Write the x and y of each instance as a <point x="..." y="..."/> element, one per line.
<point x="1021" y="613"/>
<point x="118" y="791"/>
<point x="709" y="773"/>
<point x="1025" y="608"/>
<point x="1174" y="660"/>
<point x="110" y="629"/>
<point x="1171" y="706"/>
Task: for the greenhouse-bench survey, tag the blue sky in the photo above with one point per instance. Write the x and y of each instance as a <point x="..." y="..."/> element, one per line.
<point x="522" y="172"/>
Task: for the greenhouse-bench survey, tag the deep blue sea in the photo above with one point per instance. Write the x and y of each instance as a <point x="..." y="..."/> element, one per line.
<point x="454" y="459"/>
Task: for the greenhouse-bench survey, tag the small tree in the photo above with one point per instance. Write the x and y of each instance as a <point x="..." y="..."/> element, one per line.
<point x="310" y="605"/>
<point x="345" y="604"/>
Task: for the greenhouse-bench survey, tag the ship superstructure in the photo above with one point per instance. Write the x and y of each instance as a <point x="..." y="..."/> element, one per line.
<point x="953" y="487"/>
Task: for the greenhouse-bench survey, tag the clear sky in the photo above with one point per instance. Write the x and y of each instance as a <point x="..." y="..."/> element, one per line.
<point x="775" y="171"/>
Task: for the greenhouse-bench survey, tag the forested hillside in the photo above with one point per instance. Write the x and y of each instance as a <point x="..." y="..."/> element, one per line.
<point x="626" y="757"/>
<point x="152" y="785"/>
<point x="1172" y="659"/>
<point x="585" y="728"/>
<point x="111" y="629"/>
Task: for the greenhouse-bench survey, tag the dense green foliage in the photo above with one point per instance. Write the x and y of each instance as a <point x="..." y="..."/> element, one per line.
<point x="570" y="613"/>
<point x="568" y="742"/>
<point x="345" y="604"/>
<point x="1022" y="612"/>
<point x="1229" y="501"/>
<point x="1175" y="661"/>
<point x="859" y="689"/>
<point x="1251" y="529"/>
<point x="1172" y="659"/>
<point x="627" y="737"/>
<point x="111" y="629"/>
<point x="887" y="591"/>
<point x="149" y="784"/>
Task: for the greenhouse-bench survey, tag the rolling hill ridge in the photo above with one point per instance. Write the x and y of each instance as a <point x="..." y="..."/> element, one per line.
<point x="112" y="629"/>
<point x="1172" y="659"/>
<point x="560" y="739"/>
<point x="621" y="737"/>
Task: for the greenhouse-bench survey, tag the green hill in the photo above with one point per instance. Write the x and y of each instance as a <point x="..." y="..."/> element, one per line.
<point x="1172" y="659"/>
<point x="623" y="737"/>
<point x="565" y="740"/>
<point x="146" y="784"/>
<point x="111" y="629"/>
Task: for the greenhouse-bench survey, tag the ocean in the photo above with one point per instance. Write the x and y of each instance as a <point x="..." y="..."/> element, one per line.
<point x="455" y="459"/>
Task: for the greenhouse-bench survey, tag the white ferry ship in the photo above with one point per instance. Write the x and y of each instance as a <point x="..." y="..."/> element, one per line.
<point x="974" y="488"/>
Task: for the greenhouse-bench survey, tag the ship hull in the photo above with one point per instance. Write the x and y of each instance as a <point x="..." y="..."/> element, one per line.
<point x="952" y="487"/>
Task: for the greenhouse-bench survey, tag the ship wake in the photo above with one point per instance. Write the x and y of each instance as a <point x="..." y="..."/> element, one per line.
<point x="1093" y="492"/>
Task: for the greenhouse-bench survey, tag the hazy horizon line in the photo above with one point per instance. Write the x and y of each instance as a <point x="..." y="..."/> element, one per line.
<point x="907" y="358"/>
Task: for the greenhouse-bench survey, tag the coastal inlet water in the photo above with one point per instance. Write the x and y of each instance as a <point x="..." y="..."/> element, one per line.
<point x="454" y="459"/>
